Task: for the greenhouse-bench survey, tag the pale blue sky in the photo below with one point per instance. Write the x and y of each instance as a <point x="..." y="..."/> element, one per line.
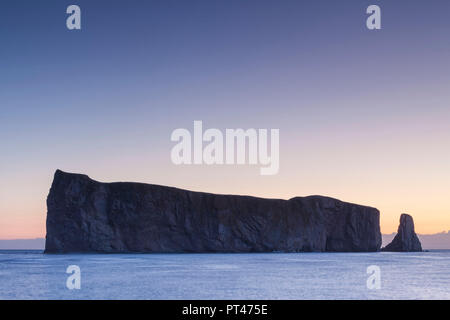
<point x="363" y="115"/>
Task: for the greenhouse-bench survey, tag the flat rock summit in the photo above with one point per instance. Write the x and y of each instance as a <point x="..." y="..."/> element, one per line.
<point x="89" y="216"/>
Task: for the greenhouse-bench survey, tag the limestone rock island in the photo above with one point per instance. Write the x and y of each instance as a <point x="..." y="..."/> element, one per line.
<point x="89" y="216"/>
<point x="406" y="239"/>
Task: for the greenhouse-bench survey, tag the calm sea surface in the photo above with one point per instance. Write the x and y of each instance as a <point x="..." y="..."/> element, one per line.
<point x="34" y="275"/>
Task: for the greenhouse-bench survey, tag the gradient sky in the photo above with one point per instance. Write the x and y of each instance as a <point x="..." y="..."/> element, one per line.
<point x="363" y="115"/>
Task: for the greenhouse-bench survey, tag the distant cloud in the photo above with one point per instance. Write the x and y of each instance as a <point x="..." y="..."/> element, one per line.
<point x="23" y="244"/>
<point x="429" y="241"/>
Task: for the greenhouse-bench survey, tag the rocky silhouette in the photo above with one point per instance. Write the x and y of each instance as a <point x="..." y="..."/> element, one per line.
<point x="88" y="216"/>
<point x="406" y="239"/>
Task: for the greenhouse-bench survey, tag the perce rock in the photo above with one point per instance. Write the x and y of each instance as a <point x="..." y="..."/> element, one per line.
<point x="88" y="216"/>
<point x="406" y="239"/>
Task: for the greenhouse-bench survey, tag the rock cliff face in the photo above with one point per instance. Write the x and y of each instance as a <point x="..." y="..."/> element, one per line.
<point x="88" y="216"/>
<point x="406" y="239"/>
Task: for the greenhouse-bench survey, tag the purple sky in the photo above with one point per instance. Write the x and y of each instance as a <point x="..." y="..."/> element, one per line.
<point x="363" y="115"/>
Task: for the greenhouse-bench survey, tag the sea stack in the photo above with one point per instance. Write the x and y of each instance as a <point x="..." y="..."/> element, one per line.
<point x="406" y="239"/>
<point x="89" y="216"/>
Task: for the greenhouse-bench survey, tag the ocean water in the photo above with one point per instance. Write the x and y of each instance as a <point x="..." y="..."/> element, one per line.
<point x="34" y="275"/>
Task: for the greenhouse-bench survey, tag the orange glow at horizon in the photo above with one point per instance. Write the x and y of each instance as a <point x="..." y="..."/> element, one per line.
<point x="26" y="219"/>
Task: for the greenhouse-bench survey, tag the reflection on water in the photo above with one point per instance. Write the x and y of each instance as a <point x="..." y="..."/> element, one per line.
<point x="33" y="275"/>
